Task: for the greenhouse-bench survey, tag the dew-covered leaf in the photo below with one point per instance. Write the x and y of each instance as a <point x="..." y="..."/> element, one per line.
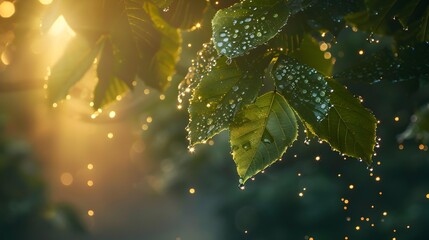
<point x="349" y="128"/>
<point x="409" y="63"/>
<point x="201" y="65"/>
<point x="108" y="86"/>
<point x="223" y="89"/>
<point x="305" y="89"/>
<point x="261" y="133"/>
<point x="248" y="24"/>
<point x="184" y="14"/>
<point x="71" y="67"/>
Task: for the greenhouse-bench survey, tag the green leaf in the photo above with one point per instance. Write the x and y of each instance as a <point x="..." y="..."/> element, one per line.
<point x="305" y="89"/>
<point x="261" y="133"/>
<point x="184" y="14"/>
<point x="162" y="66"/>
<point x="70" y="68"/>
<point x="108" y="86"/>
<point x="223" y="89"/>
<point x="349" y="128"/>
<point x="250" y="23"/>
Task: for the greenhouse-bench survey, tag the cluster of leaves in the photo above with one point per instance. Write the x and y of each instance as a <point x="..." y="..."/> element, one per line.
<point x="260" y="76"/>
<point x="130" y="39"/>
<point x="257" y="87"/>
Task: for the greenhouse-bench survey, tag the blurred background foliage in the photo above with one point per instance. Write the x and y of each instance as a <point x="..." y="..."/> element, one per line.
<point x="155" y="189"/>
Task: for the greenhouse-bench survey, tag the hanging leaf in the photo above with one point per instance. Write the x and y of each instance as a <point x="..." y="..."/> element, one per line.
<point x="406" y="20"/>
<point x="261" y="133"/>
<point x="349" y="128"/>
<point x="248" y="24"/>
<point x="306" y="90"/>
<point x="223" y="90"/>
<point x="184" y="14"/>
<point x="70" y="68"/>
<point x="409" y="63"/>
<point x="108" y="86"/>
<point x="161" y="67"/>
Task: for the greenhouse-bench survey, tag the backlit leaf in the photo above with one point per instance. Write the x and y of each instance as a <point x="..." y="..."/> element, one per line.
<point x="261" y="133"/>
<point x="248" y="24"/>
<point x="223" y="89"/>
<point x="70" y="68"/>
<point x="349" y="128"/>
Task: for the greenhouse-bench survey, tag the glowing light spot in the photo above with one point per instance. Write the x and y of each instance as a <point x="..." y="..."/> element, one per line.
<point x="317" y="158"/>
<point x="198" y="25"/>
<point x="60" y="26"/>
<point x="361" y="52"/>
<point x="5" y="58"/>
<point x="396" y="119"/>
<point x="327" y="55"/>
<point x="7" y="9"/>
<point x="54" y="105"/>
<point x="91" y="213"/>
<point x="91" y="104"/>
<point x="351" y="186"/>
<point x="145" y="127"/>
<point x="162" y="97"/>
<point x="427" y="196"/>
<point x="377" y="179"/>
<point x="110" y="135"/>
<point x="179" y="106"/>
<point x="90" y="183"/>
<point x="45" y="2"/>
<point x="191" y="149"/>
<point x="192" y="190"/>
<point x="146" y="91"/>
<point x="90" y="166"/>
<point x="421" y="146"/>
<point x="311" y="238"/>
<point x="357" y="228"/>
<point x="401" y="146"/>
<point x="384" y="213"/>
<point x="346" y="201"/>
<point x="66" y="179"/>
<point x="112" y="114"/>
<point x="149" y="119"/>
<point x="301" y="194"/>
<point x="323" y="47"/>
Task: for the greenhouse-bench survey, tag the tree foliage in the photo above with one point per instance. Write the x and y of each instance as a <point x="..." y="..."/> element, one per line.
<point x="260" y="76"/>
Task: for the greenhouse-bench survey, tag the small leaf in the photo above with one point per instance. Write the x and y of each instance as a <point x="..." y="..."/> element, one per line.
<point x="222" y="91"/>
<point x="248" y="24"/>
<point x="349" y="128"/>
<point x="108" y="86"/>
<point x="184" y="14"/>
<point x="261" y="133"/>
<point x="70" y="68"/>
<point x="306" y="90"/>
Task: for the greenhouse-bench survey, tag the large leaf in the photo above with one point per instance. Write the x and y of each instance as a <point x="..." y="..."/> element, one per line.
<point x="184" y="14"/>
<point x="261" y="133"/>
<point x="349" y="128"/>
<point x="108" y="86"/>
<point x="70" y="68"/>
<point x="250" y="23"/>
<point x="305" y="89"/>
<point x="223" y="90"/>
